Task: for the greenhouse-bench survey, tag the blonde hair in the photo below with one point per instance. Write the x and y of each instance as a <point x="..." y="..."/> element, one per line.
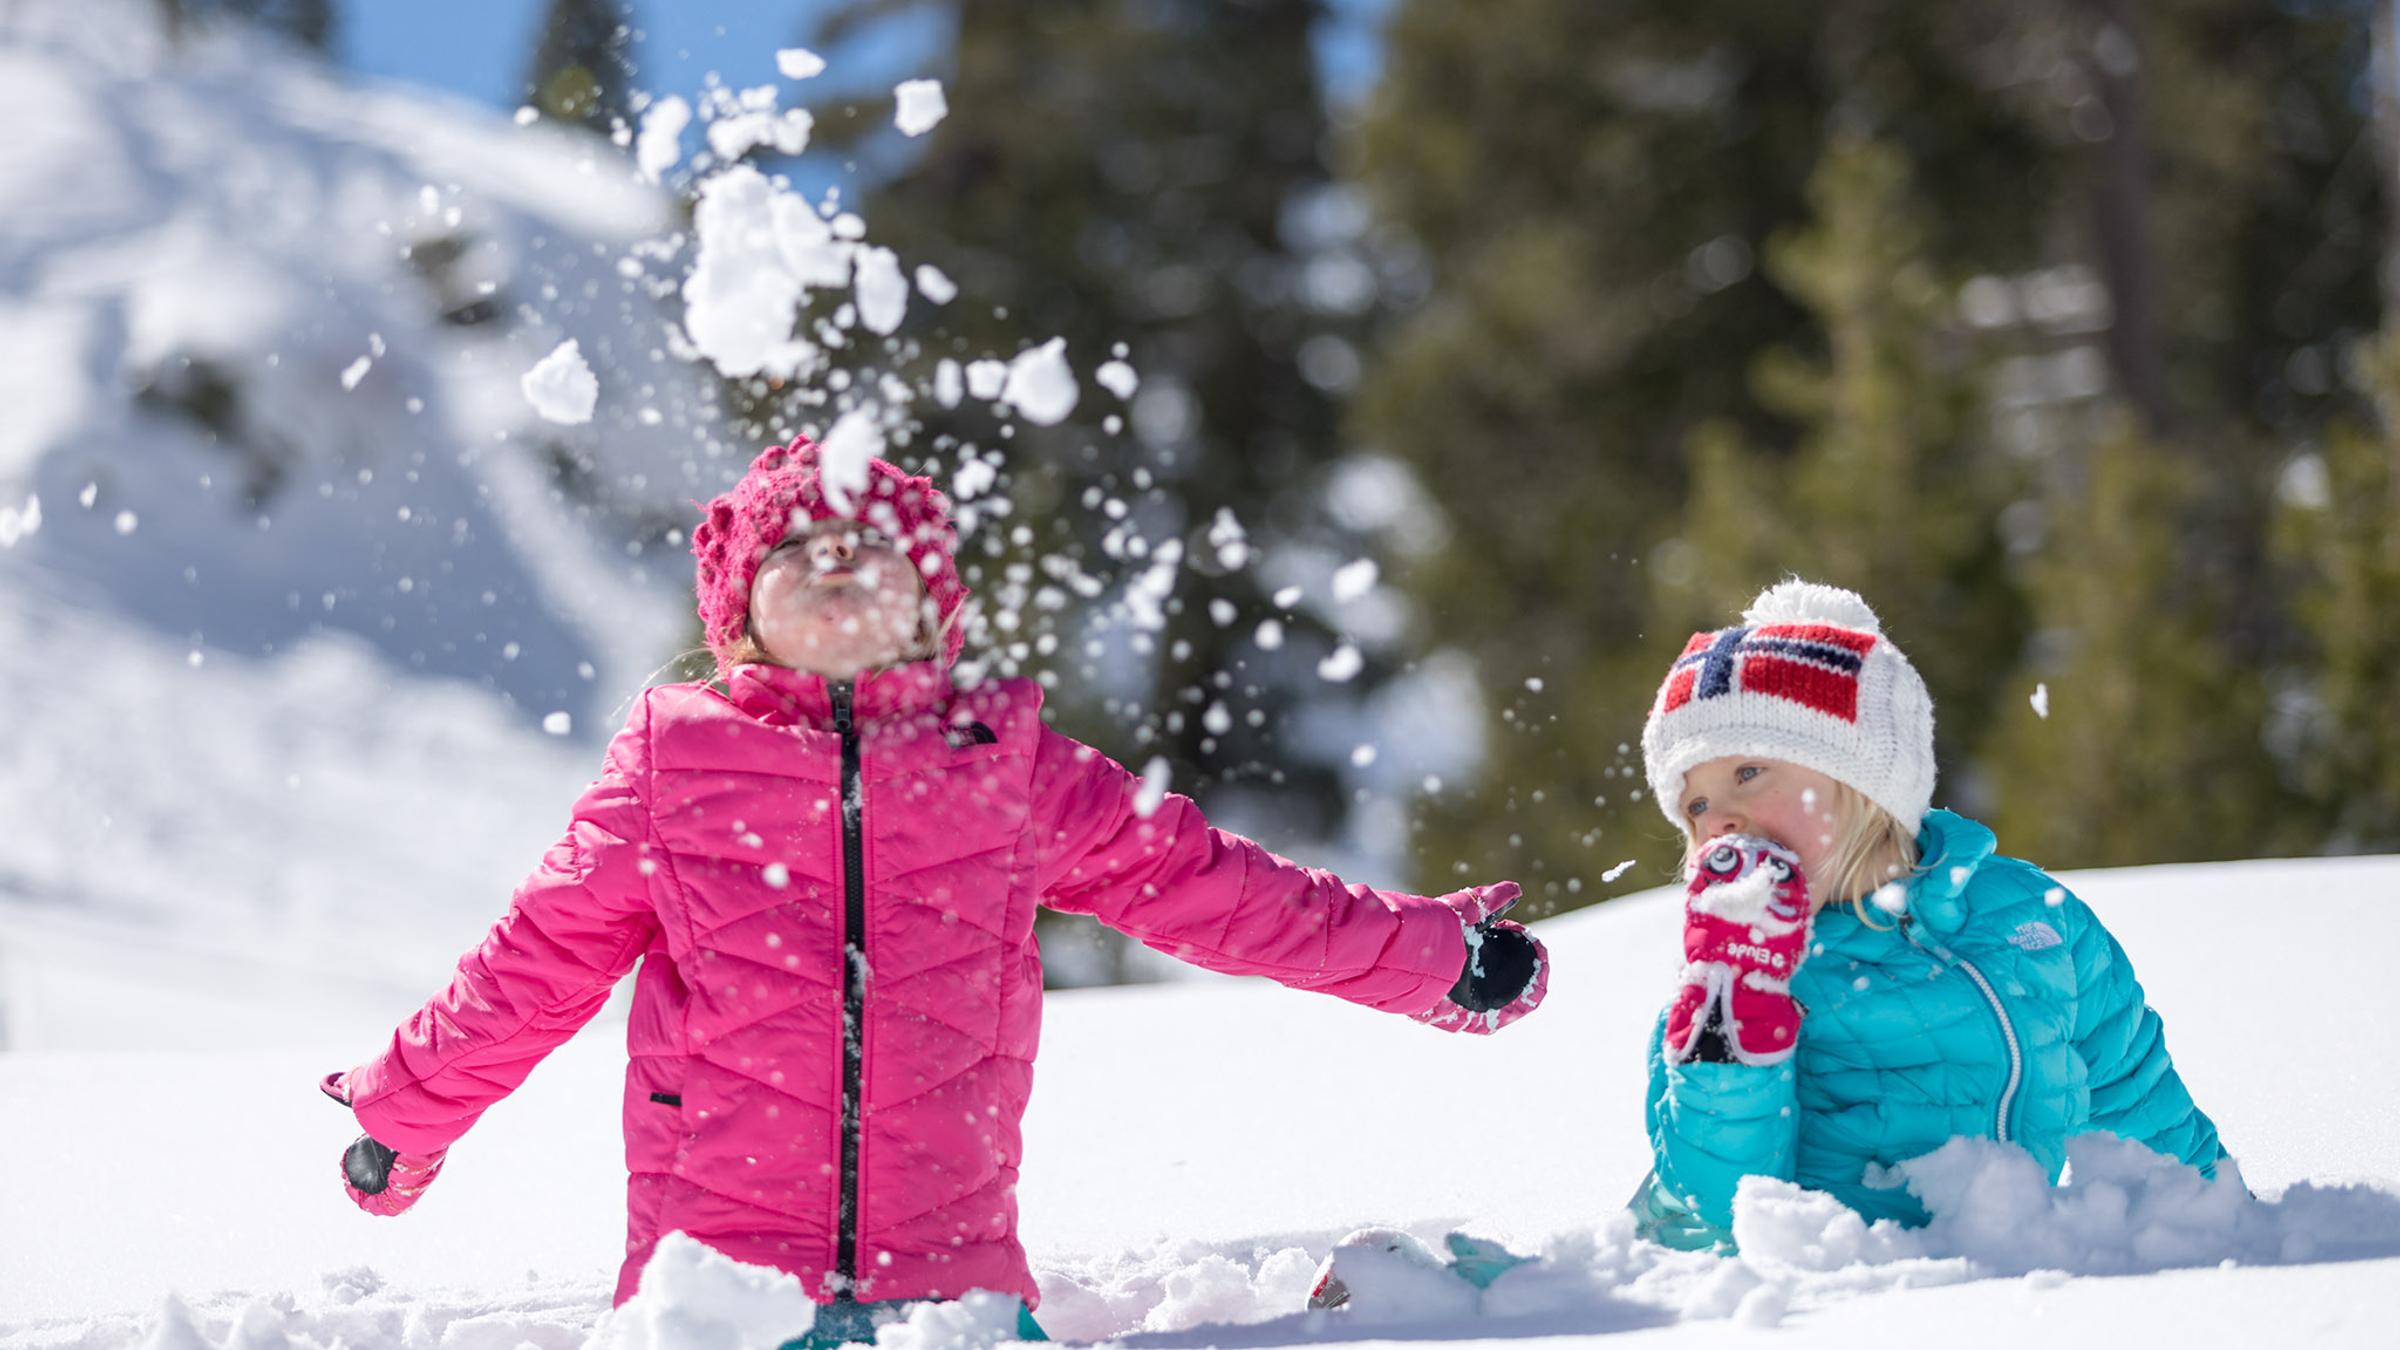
<point x="1870" y="850"/>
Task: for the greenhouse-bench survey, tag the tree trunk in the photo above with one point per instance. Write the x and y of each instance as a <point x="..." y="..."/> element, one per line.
<point x="2121" y="203"/>
<point x="2384" y="72"/>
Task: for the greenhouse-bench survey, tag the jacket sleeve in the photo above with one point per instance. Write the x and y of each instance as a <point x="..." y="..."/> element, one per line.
<point x="1710" y="1125"/>
<point x="2136" y="1092"/>
<point x="574" y="927"/>
<point x="1223" y="902"/>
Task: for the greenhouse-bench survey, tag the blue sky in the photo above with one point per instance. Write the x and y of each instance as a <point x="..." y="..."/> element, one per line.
<point x="479" y="48"/>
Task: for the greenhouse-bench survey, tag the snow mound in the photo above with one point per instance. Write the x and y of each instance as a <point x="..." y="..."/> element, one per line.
<point x="692" y="1298"/>
<point x="2121" y="1210"/>
<point x="978" y="1320"/>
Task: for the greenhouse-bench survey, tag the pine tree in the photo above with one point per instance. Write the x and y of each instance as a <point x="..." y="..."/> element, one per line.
<point x="1589" y="187"/>
<point x="1889" y="492"/>
<point x="2341" y="527"/>
<point x="582" y="73"/>
<point x="2223" y="161"/>
<point x="2145" y="743"/>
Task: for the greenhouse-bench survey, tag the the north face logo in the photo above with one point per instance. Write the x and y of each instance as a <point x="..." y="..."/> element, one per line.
<point x="2034" y="935"/>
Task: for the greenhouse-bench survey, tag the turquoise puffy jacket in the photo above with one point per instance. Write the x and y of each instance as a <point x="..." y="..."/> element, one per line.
<point x="1997" y="1007"/>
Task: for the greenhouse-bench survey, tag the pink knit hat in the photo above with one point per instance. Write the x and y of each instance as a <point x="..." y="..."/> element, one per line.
<point x="782" y="492"/>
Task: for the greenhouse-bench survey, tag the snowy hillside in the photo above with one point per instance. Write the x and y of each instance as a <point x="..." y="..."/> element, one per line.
<point x="278" y="519"/>
<point x="1194" y="1149"/>
<point x="262" y="341"/>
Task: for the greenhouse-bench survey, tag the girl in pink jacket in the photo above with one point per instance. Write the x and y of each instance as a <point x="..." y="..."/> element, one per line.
<point x="831" y="858"/>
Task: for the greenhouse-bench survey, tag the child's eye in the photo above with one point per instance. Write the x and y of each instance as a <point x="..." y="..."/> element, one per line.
<point x="1698" y="808"/>
<point x="1747" y="772"/>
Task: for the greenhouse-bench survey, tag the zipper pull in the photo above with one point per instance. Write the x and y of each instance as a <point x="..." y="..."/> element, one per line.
<point x="841" y="707"/>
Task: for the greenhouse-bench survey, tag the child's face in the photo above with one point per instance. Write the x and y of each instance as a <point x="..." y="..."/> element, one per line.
<point x="1749" y="794"/>
<point x="837" y="600"/>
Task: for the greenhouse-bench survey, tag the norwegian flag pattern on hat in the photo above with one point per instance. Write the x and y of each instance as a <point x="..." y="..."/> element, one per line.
<point x="1808" y="676"/>
<point x="1813" y="664"/>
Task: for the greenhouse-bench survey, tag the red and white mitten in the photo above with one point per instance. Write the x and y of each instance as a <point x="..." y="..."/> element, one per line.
<point x="1746" y="922"/>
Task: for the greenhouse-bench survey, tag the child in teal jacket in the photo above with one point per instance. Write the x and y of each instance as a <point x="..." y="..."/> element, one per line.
<point x="1937" y="989"/>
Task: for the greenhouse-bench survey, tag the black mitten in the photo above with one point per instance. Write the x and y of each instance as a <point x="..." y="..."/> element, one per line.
<point x="1498" y="968"/>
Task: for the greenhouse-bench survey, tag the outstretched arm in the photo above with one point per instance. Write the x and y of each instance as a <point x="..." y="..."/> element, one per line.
<point x="1217" y="900"/>
<point x="574" y="927"/>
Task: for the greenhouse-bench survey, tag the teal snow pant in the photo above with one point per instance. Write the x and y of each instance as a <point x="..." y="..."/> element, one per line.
<point x="841" y="1324"/>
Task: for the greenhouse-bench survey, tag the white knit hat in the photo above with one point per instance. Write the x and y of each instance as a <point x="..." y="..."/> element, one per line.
<point x="1809" y="677"/>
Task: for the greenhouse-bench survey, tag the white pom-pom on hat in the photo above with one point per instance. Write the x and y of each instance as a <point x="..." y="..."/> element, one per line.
<point x="1796" y="601"/>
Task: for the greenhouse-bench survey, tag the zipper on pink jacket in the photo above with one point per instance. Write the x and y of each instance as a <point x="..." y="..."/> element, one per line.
<point x="854" y="991"/>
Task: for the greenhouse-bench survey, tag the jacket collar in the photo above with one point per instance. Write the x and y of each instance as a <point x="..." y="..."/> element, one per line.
<point x="1950" y="848"/>
<point x="781" y="696"/>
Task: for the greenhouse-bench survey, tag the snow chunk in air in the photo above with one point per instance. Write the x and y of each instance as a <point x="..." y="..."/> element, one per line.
<point x="744" y="286"/>
<point x="1153" y="790"/>
<point x="1353" y="580"/>
<point x="854" y="440"/>
<point x="661" y="141"/>
<point x="1232" y="543"/>
<point x="1342" y="666"/>
<point x="561" y="387"/>
<point x="922" y="106"/>
<point x="1040" y="386"/>
<point x="882" y="290"/>
<point x="15" y="525"/>
<point x="1117" y="378"/>
<point x="799" y="63"/>
<point x="986" y="378"/>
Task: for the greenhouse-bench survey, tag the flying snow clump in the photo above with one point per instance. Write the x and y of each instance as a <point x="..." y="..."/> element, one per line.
<point x="922" y="106"/>
<point x="1040" y="386"/>
<point x="561" y="387"/>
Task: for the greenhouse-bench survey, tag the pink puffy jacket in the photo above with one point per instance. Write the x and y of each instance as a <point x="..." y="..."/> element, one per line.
<point x="736" y="839"/>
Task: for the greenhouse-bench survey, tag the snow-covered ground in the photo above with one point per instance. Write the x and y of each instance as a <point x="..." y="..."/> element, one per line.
<point x="168" y="1170"/>
<point x="256" y="793"/>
